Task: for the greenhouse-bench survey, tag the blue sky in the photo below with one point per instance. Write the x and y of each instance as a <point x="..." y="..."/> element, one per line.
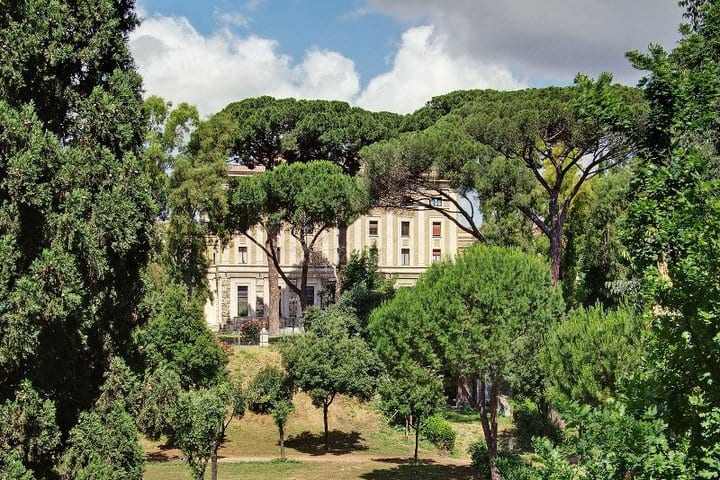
<point x="369" y="38"/>
<point x="386" y="54"/>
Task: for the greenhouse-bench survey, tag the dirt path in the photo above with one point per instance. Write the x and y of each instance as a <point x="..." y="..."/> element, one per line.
<point x="348" y="459"/>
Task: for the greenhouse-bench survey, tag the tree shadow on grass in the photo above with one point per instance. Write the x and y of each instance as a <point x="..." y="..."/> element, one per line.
<point x="341" y="443"/>
<point x="163" y="453"/>
<point x="424" y="471"/>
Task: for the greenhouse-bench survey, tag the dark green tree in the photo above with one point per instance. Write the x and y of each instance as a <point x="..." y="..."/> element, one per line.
<point x="200" y="420"/>
<point x="304" y="198"/>
<point x="327" y="361"/>
<point x="592" y="354"/>
<point x="525" y="153"/>
<point x="177" y="337"/>
<point x="76" y="208"/>
<point x="406" y="342"/>
<point x="674" y="227"/>
<point x="485" y="314"/>
<point x="271" y="392"/>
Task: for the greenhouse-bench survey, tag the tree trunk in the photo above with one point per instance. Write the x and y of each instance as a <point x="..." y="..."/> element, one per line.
<point x="555" y="237"/>
<point x="274" y="291"/>
<point x="282" y="443"/>
<point x="488" y="420"/>
<point x="417" y="436"/>
<point x="493" y="446"/>
<point x="303" y="280"/>
<point x="214" y="463"/>
<point x="556" y="253"/>
<point x="326" y="406"/>
<point x="461" y="399"/>
<point x="342" y="260"/>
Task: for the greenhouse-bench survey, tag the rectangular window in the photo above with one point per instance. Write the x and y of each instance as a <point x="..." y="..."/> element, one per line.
<point x="373" y="228"/>
<point x="436" y="255"/>
<point x="405" y="256"/>
<point x="405" y="229"/>
<point x="436" y="229"/>
<point x="436" y="201"/>
<point x="242" y="301"/>
<point x="243" y="254"/>
<point x="310" y="295"/>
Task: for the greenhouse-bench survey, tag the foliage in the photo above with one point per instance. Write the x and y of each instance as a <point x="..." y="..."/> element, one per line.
<point x="531" y="422"/>
<point x="509" y="463"/>
<point x="609" y="443"/>
<point x="595" y="260"/>
<point x="526" y="153"/>
<point x="364" y="288"/>
<point x="439" y="431"/>
<point x="76" y="207"/>
<point x="28" y="431"/>
<point x="674" y="225"/>
<point x="160" y="394"/>
<point x="251" y="330"/>
<point x="306" y="199"/>
<point x="177" y="336"/>
<point x="104" y="446"/>
<point x="327" y="360"/>
<point x="483" y="314"/>
<point x="591" y="353"/>
<point x="201" y="418"/>
<point x="271" y="391"/>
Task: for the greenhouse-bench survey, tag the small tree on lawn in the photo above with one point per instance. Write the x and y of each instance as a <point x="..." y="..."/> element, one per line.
<point x="413" y="392"/>
<point x="200" y="420"/>
<point x="327" y="361"/>
<point x="403" y="338"/>
<point x="271" y="392"/>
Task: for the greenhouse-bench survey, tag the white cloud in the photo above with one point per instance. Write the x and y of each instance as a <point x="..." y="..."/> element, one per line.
<point x="424" y="67"/>
<point x="549" y="40"/>
<point x="180" y="64"/>
<point x="231" y="19"/>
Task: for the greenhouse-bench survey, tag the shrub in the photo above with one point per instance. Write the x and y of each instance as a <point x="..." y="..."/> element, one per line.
<point x="251" y="330"/>
<point x="511" y="466"/>
<point x="439" y="432"/>
<point x="530" y="422"/>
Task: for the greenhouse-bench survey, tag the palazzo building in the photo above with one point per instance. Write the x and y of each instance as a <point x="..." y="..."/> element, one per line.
<point x="408" y="241"/>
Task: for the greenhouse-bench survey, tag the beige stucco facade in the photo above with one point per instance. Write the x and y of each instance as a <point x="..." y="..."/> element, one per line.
<point x="408" y="241"/>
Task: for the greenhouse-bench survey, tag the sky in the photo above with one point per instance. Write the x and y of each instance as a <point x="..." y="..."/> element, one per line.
<point x="390" y="55"/>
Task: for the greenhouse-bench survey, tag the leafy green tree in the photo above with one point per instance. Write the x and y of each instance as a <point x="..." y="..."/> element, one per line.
<point x="364" y="287"/>
<point x="104" y="446"/>
<point x="406" y="343"/>
<point x="413" y="393"/>
<point x="28" y="431"/>
<point x="306" y="199"/>
<point x="590" y="354"/>
<point x="596" y="262"/>
<point x="674" y="227"/>
<point x="76" y="207"/>
<point x="485" y="315"/>
<point x="161" y="390"/>
<point x="327" y="361"/>
<point x="201" y="419"/>
<point x="177" y="336"/>
<point x="265" y="132"/>
<point x="271" y="392"/>
<point x="526" y="153"/>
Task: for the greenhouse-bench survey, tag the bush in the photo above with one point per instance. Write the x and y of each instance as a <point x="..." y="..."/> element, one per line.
<point x="439" y="432"/>
<point x="251" y="330"/>
<point x="530" y="422"/>
<point x="511" y="466"/>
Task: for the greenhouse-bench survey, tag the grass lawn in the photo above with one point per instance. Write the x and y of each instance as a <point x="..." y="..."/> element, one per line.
<point x="362" y="445"/>
<point x="315" y="471"/>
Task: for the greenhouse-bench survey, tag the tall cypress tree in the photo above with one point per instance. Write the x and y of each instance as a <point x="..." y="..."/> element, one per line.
<point x="76" y="209"/>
